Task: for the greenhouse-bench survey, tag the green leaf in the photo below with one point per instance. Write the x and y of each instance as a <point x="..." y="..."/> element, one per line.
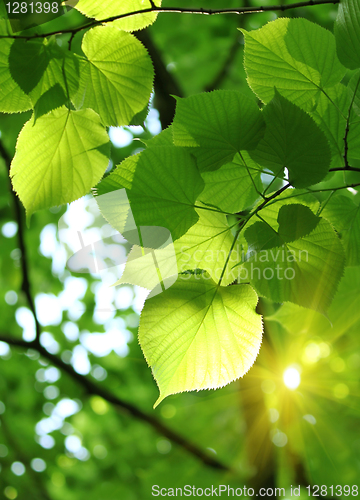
<point x="296" y="221"/>
<point x="292" y="140"/>
<point x="354" y="91"/>
<point x="12" y="98"/>
<point x="331" y="117"/>
<point x="59" y="159"/>
<point x="150" y="268"/>
<point x="270" y="212"/>
<point x="347" y="33"/>
<point x="44" y="71"/>
<point x="117" y="77"/>
<point x="231" y="188"/>
<point x="162" y="184"/>
<point x="198" y="336"/>
<point x="293" y="222"/>
<point x="295" y="56"/>
<point x="344" y="214"/>
<point x="53" y="98"/>
<point x="112" y="8"/>
<point x="28" y="61"/>
<point x="262" y="236"/>
<point x="217" y="125"/>
<point x="343" y="314"/>
<point x="206" y="245"/>
<point x="306" y="270"/>
<point x="165" y="138"/>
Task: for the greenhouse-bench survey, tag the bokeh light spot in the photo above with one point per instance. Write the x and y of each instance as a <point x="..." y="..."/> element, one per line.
<point x="10" y="492"/>
<point x="99" y="405"/>
<point x="163" y="446"/>
<point x="291" y="378"/>
<point x="268" y="386"/>
<point x="279" y="438"/>
<point x="337" y="365"/>
<point x="341" y="391"/>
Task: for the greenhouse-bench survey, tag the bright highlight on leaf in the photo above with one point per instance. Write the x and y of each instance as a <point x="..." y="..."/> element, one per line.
<point x="234" y="186"/>
<point x="111" y="8"/>
<point x="59" y="159"/>
<point x="295" y="56"/>
<point x="197" y="335"/>
<point x="12" y="98"/>
<point x="116" y="78"/>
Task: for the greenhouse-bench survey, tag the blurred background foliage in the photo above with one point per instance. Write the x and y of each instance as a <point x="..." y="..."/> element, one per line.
<point x="293" y="419"/>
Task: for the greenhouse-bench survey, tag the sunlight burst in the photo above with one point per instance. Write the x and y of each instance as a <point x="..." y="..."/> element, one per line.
<point x="291" y="378"/>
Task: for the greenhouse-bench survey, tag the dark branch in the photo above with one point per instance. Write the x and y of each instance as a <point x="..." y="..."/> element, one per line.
<point x="230" y="58"/>
<point x="183" y="10"/>
<point x="224" y="70"/>
<point x="25" y="286"/>
<point x="124" y="407"/>
<point x="342" y="169"/>
<point x="270" y="198"/>
<point x="165" y="84"/>
<point x="87" y="384"/>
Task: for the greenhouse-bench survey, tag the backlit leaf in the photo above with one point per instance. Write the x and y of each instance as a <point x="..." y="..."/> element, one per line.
<point x="59" y="159"/>
<point x="295" y="56"/>
<point x="116" y="78"/>
<point x="197" y="336"/>
<point x="217" y="125"/>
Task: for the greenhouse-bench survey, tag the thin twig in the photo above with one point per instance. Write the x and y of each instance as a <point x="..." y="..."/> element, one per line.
<point x="182" y="10"/>
<point x="246" y="220"/>
<point x="269" y="198"/>
<point x="310" y="191"/>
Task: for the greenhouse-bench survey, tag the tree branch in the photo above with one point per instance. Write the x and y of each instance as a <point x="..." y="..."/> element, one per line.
<point x="165" y="84"/>
<point x="123" y="406"/>
<point x="25" y="286"/>
<point x="230" y="58"/>
<point x="86" y="383"/>
<point x="182" y="10"/>
<point x="344" y="169"/>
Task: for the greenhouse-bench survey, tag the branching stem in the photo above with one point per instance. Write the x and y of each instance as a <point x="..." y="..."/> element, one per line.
<point x="181" y="10"/>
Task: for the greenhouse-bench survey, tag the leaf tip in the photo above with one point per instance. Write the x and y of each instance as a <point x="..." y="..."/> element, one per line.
<point x="159" y="400"/>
